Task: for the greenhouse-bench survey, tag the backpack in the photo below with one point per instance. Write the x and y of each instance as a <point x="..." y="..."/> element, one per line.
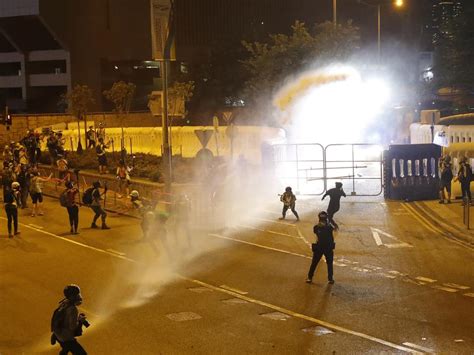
<point x="58" y="317"/>
<point x="63" y="200"/>
<point x="87" y="197"/>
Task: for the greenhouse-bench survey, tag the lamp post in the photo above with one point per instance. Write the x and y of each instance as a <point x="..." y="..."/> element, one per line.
<point x="334" y="13"/>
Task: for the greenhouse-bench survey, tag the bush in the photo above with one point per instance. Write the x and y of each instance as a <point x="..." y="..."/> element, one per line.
<point x="146" y="166"/>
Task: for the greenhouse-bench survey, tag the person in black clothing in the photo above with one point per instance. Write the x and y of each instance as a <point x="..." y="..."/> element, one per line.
<point x="24" y="178"/>
<point x="324" y="246"/>
<point x="465" y="177"/>
<point x="91" y="137"/>
<point x="445" y="179"/>
<point x="335" y="195"/>
<point x="96" y="206"/>
<point x="72" y="207"/>
<point x="12" y="200"/>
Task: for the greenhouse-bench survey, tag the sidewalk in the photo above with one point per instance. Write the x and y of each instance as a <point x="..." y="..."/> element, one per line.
<point x="448" y="217"/>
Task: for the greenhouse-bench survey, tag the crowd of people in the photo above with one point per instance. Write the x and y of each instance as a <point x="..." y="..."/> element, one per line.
<point x="464" y="176"/>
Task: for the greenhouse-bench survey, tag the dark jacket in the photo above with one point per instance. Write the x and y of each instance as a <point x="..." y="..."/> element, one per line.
<point x="325" y="237"/>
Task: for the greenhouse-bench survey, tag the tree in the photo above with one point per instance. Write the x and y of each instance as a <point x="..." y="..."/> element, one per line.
<point x="121" y="95"/>
<point x="79" y="100"/>
<point x="269" y="64"/>
<point x="179" y="93"/>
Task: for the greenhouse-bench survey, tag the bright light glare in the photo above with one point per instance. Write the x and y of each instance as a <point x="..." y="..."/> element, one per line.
<point x="399" y="3"/>
<point x="338" y="112"/>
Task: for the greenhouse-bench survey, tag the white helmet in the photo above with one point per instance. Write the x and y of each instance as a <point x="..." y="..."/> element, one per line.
<point x="15" y="185"/>
<point x="134" y="194"/>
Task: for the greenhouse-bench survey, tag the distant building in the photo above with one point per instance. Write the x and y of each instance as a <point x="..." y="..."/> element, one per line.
<point x="443" y="13"/>
<point x="48" y="46"/>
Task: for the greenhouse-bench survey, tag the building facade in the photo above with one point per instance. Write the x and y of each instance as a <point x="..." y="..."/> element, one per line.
<point x="443" y="14"/>
<point x="48" y="46"/>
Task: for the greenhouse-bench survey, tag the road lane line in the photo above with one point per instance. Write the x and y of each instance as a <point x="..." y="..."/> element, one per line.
<point x="435" y="229"/>
<point x="116" y="252"/>
<point x="266" y="231"/>
<point x="447" y="289"/>
<point x="237" y="295"/>
<point x="35" y="226"/>
<point x="73" y="242"/>
<point x="461" y="287"/>
<point x="469" y="294"/>
<point x="225" y="287"/>
<point x="305" y="317"/>
<point x="421" y="219"/>
<point x="260" y="246"/>
<point x="302" y="237"/>
<point x="277" y="222"/>
<point x="419" y="347"/>
<point x="425" y="279"/>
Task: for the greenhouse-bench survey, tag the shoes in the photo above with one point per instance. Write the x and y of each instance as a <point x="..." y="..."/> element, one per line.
<point x="72" y="231"/>
<point x="308" y="281"/>
<point x="331" y="282"/>
<point x="449" y="201"/>
<point x="10" y="236"/>
<point x="41" y="214"/>
<point x="33" y="215"/>
<point x="94" y="226"/>
<point x="297" y="220"/>
<point x="104" y="226"/>
<point x="75" y="233"/>
<point x="17" y="232"/>
<point x="281" y="218"/>
<point x="441" y="201"/>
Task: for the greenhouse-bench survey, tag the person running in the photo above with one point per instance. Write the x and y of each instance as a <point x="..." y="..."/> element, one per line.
<point x="335" y="195"/>
<point x="324" y="246"/>
<point x="123" y="178"/>
<point x="465" y="176"/>
<point x="446" y="175"/>
<point x="289" y="202"/>
<point x="101" y="157"/>
<point x="12" y="200"/>
<point x="97" y="207"/>
<point x="71" y="193"/>
<point x="67" y="322"/>
<point x="36" y="193"/>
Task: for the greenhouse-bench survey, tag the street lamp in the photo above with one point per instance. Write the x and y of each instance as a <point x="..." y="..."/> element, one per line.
<point x="334" y="13"/>
<point x="397" y="3"/>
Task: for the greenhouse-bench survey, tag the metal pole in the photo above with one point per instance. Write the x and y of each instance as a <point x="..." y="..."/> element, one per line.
<point x="164" y="126"/>
<point x="334" y="13"/>
<point x="353" y="172"/>
<point x="378" y="33"/>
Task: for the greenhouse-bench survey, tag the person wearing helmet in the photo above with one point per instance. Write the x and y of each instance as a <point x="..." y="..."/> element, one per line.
<point x="335" y="195"/>
<point x="11" y="201"/>
<point x="289" y="202"/>
<point x="324" y="246"/>
<point x="465" y="176"/>
<point x="67" y="322"/>
<point x="71" y="196"/>
<point x="97" y="207"/>
<point x="446" y="175"/>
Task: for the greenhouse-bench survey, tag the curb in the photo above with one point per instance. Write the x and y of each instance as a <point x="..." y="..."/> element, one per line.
<point x="447" y="229"/>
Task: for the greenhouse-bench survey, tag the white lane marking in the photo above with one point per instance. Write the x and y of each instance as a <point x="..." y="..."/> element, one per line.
<point x="388" y="276"/>
<point x="303" y="238"/>
<point x="260" y="246"/>
<point x="116" y="252"/>
<point x="265" y="230"/>
<point x="418" y="347"/>
<point x="265" y="304"/>
<point x="376" y="235"/>
<point x="308" y="318"/>
<point x="398" y="273"/>
<point x="225" y="287"/>
<point x="447" y="289"/>
<point x="469" y="294"/>
<point x="355" y="268"/>
<point x="277" y="222"/>
<point x="461" y="287"/>
<point x="74" y="242"/>
<point x="35" y="226"/>
<point x="424" y="279"/>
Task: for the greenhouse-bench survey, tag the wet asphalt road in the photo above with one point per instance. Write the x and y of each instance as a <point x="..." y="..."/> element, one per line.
<point x="400" y="287"/>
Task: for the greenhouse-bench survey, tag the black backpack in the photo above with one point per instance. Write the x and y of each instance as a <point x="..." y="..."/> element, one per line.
<point x="58" y="317"/>
<point x="63" y="200"/>
<point x="87" y="196"/>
